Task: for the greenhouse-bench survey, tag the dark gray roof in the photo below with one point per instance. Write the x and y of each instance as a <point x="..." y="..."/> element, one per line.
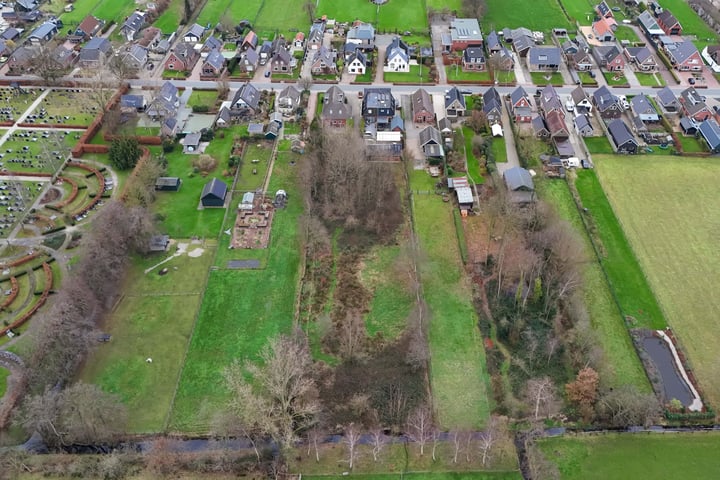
<point x="196" y="31"/>
<point x="692" y="101"/>
<point x="523" y="43"/>
<point x="641" y="54"/>
<point x="538" y="124"/>
<point x="397" y="122"/>
<point x="167" y="181"/>
<point x="216" y="188"/>
<point x="667" y="18"/>
<point x="290" y="92"/>
<point x="606" y="53"/>
<point x="518" y="94"/>
<point x="364" y="31"/>
<point x="215" y="60"/>
<point x="134" y="101"/>
<point x="517" y="178"/>
<point x="544" y="56"/>
<point x="620" y="132"/>
<point x="452" y="95"/>
<point x="249" y="95"/>
<point x="397" y="48"/>
<point x="710" y="130"/>
<point x="256" y="128"/>
<point x="10" y="34"/>
<point x="444" y="124"/>
<point x="334" y="105"/>
<point x="582" y="121"/>
<point x="359" y="55"/>
<point x="378" y="98"/>
<point x="474" y="54"/>
<point x="681" y="51"/>
<point x="641" y="104"/>
<point x="604" y="98"/>
<point x="43" y="30"/>
<point x="250" y="55"/>
<point x="212" y="43"/>
<point x="430" y="135"/>
<point x="134" y="22"/>
<point x="492" y="101"/>
<point x="224" y="115"/>
<point x="191" y="139"/>
<point x="421" y="100"/>
<point x="578" y="95"/>
<point x="648" y="22"/>
<point x="666" y="96"/>
<point x="492" y="41"/>
<point x="570" y="46"/>
<point x="550" y="99"/>
<point x="98" y="43"/>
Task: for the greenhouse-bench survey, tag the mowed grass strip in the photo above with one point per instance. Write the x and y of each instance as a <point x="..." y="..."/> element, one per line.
<point x="542" y="15"/>
<point x="656" y="456"/>
<point x="623" y="365"/>
<point x="240" y="312"/>
<point x="153" y="320"/>
<point x="458" y="372"/>
<point x="669" y="210"/>
<point x="626" y="277"/>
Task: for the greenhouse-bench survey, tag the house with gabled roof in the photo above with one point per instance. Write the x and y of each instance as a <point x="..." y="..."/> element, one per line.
<point x="684" y="56"/>
<point x="250" y="40"/>
<point x="10" y="33"/>
<point x="607" y="103"/>
<point x="282" y="61"/>
<point x="555" y="122"/>
<point x="550" y="101"/>
<point x="473" y="59"/>
<point x="492" y="106"/>
<point x="455" y="105"/>
<point x="43" y="33"/>
<point x="94" y="53"/>
<point x="710" y="132"/>
<point x="362" y="35"/>
<point x="132" y="26"/>
<point x="583" y="126"/>
<point x="604" y="29"/>
<point x="464" y="33"/>
<point x="539" y="127"/>
<point x="287" y="100"/>
<point x="492" y="42"/>
<point x="431" y="142"/>
<point x="581" y="61"/>
<point x="520" y="185"/>
<point x="522" y="45"/>
<point x="569" y="48"/>
<point x="213" y="66"/>
<point x="194" y="34"/>
<point x="642" y="58"/>
<point x="445" y="127"/>
<point x="668" y="101"/>
<point x="423" y="110"/>
<point x="136" y="57"/>
<point x="165" y="103"/>
<point x="214" y="193"/>
<point x="335" y="108"/>
<point x="622" y="137"/>
<point x="212" y="43"/>
<point x="182" y="58"/>
<point x="643" y="108"/>
<point x="224" y="118"/>
<point x="246" y="101"/>
<point x="503" y="59"/>
<point x="609" y="57"/>
<point x="88" y="28"/>
<point x="694" y="106"/>
<point x="324" y="62"/>
<point x="520" y="105"/>
<point x="64" y="57"/>
<point x="248" y="61"/>
<point x="356" y="63"/>
<point x="397" y="57"/>
<point x="603" y="10"/>
<point x="580" y="100"/>
<point x="315" y="37"/>
<point x="542" y="59"/>
<point x="667" y="21"/>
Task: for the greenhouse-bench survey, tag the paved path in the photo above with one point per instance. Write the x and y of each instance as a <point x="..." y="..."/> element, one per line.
<point x="512" y="157"/>
<point x="312" y="105"/>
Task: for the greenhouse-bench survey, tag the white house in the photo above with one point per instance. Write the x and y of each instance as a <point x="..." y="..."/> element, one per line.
<point x="356" y="63"/>
<point x="397" y="58"/>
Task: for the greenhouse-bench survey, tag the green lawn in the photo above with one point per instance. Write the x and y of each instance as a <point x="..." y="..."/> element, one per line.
<point x="692" y="144"/>
<point x="413" y="76"/>
<point x="650" y="79"/>
<point x="626" y="277"/>
<point x="398" y="16"/>
<point x="598" y="145"/>
<point x="82" y="9"/>
<point x="455" y="73"/>
<point x="280" y="15"/>
<point x="169" y="21"/>
<point x="499" y="149"/>
<point x="242" y="310"/>
<point x="427" y="476"/>
<point x="203" y="98"/>
<point x="615" y="79"/>
<point x="247" y="180"/>
<point x="473" y="163"/>
<point x="668" y="208"/>
<point x="214" y="11"/>
<point x="545" y="78"/>
<point x="459" y="376"/>
<point x="580" y="10"/>
<point x="586" y="79"/>
<point x="452" y="5"/>
<point x="154" y="319"/>
<point x="348" y="10"/>
<point x="542" y="15"/>
<point x="625" y="32"/>
<point x="623" y="365"/>
<point x="692" y="24"/>
<point x="671" y="456"/>
<point x="4" y="374"/>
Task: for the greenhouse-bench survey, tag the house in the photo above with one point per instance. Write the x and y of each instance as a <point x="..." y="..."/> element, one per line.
<point x="315" y="37"/>
<point x="604" y="29"/>
<point x="649" y="25"/>
<point x="21" y="60"/>
<point x="492" y="106"/>
<point x="520" y="105"/>
<point x="606" y="103"/>
<point x="422" y="107"/>
<point x="669" y="24"/>
<point x="356" y="63"/>
<point x="522" y="45"/>
<point x="397" y="57"/>
<point x="287" y="100"/>
<point x="26" y="5"/>
<point x="150" y="37"/>
<point x="694" y="106"/>
<point x="246" y="101"/>
<point x="282" y="61"/>
<point x="88" y="28"/>
<point x="362" y="35"/>
<point x="158" y="243"/>
<point x="609" y="57"/>
<point x="168" y="128"/>
<point x="165" y="103"/>
<point x="214" y="65"/>
<point x="265" y="52"/>
<point x="132" y="26"/>
<point x="503" y="60"/>
<point x="249" y="41"/>
<point x="603" y="10"/>
<point x="684" y="56"/>
<point x="520" y="184"/>
<point x="212" y="43"/>
<point x="191" y="144"/>
<point x="581" y="101"/>
<point x="95" y="52"/>
<point x="182" y="59"/>
<point x="550" y="101"/>
<point x="542" y="59"/>
<point x="194" y="34"/>
<point x="397" y="124"/>
<point x="213" y="194"/>
<point x="711" y="54"/>
<point x="431" y="142"/>
<point x="445" y="127"/>
<point x="622" y="137"/>
<point x="272" y="131"/>
<point x="583" y="126"/>
<point x="492" y="42"/>
<point x="455" y="105"/>
<point x="299" y="40"/>
<point x="136" y="57"/>
<point x="64" y="57"/>
<point x="539" y="127"/>
<point x="248" y="61"/>
<point x="581" y="61"/>
<point x="167" y="184"/>
<point x="256" y="129"/>
<point x="710" y="131"/>
<point x="555" y="122"/>
<point x="569" y="48"/>
<point x="667" y="100"/>
<point x="223" y="118"/>
<point x="473" y="59"/>
<point x="131" y="104"/>
<point x="324" y="62"/>
<point x="43" y="33"/>
<point x="10" y="33"/>
<point x="335" y="108"/>
<point x="644" y="109"/>
<point x="464" y="33"/>
<point x="642" y="58"/>
<point x="378" y="107"/>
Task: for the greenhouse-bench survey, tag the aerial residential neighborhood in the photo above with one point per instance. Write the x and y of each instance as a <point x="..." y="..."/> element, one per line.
<point x="385" y="238"/>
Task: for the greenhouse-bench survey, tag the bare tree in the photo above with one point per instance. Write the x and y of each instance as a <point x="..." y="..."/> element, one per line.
<point x="314" y="436"/>
<point x="121" y="69"/>
<point x="488" y="438"/>
<point x="227" y="424"/>
<point x="47" y="64"/>
<point x="540" y="393"/>
<point x="351" y="440"/>
<point x="379" y="440"/>
<point x="419" y="426"/>
<point x="456" y="438"/>
<point x="625" y="406"/>
<point x="435" y="436"/>
<point x="351" y="335"/>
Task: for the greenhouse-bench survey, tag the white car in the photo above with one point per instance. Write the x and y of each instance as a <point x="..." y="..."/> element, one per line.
<point x="624" y="102"/>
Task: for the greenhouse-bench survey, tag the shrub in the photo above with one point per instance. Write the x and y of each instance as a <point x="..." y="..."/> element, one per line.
<point x="200" y="108"/>
<point x="168" y="145"/>
<point x="124" y="153"/>
<point x="205" y="163"/>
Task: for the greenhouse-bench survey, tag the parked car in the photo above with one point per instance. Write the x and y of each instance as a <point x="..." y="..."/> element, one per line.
<point x="624" y="102"/>
<point x="691" y="80"/>
<point x="267" y="74"/>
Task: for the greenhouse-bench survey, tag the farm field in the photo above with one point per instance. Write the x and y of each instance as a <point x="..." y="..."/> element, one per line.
<point x="281" y="15"/>
<point x="668" y="207"/>
<point x="692" y="24"/>
<point x="627" y="279"/>
<point x="397" y="16"/>
<point x="542" y="15"/>
<point x="104" y="9"/>
<point x="241" y="312"/>
<point x="348" y="11"/>
<point x="657" y="456"/>
<point x="4" y="374"/>
<point x="154" y="319"/>
<point x="169" y="21"/>
<point x="580" y="10"/>
<point x="623" y="364"/>
<point x="459" y="376"/>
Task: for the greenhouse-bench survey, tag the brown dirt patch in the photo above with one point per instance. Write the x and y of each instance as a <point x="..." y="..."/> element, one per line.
<point x="50" y="196"/>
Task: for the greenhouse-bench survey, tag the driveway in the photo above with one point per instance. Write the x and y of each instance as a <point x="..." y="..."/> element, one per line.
<point x="512" y="156"/>
<point x="437" y="31"/>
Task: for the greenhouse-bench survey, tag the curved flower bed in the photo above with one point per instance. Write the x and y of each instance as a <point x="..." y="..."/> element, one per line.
<point x="13" y="293"/>
<point x="101" y="182"/>
<point x="41" y="301"/>
<point x="71" y="197"/>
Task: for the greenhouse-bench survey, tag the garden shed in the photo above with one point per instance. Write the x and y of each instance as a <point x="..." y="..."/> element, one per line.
<point x="213" y="194"/>
<point x="168" y="184"/>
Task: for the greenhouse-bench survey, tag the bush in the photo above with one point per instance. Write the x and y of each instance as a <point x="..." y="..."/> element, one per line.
<point x="205" y="163"/>
<point x="168" y="145"/>
<point x="200" y="108"/>
<point x="124" y="153"/>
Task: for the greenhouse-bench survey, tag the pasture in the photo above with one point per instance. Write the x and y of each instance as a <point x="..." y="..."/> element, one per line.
<point x="623" y="365"/>
<point x="242" y="310"/>
<point x="692" y="24"/>
<point x="657" y="456"/>
<point x="459" y="377"/>
<point x="4" y="374"/>
<point x="169" y="21"/>
<point x="668" y="208"/>
<point x="281" y="15"/>
<point x="543" y="15"/>
<point x="154" y="319"/>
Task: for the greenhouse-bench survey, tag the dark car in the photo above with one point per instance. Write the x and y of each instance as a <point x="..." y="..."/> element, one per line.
<point x="267" y="74"/>
<point x="691" y="81"/>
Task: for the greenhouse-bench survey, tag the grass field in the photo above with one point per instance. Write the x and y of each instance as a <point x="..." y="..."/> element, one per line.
<point x="473" y="163"/>
<point x="103" y="9"/>
<point x="455" y="73"/>
<point x="692" y="24"/>
<point x="580" y="10"/>
<point x="242" y="310"/>
<point x="623" y="364"/>
<point x="615" y="79"/>
<point x="459" y="376"/>
<point x="670" y="456"/>
<point x="169" y="21"/>
<point x="398" y="16"/>
<point x="598" y="145"/>
<point x="624" y="32"/>
<point x="413" y="76"/>
<point x="692" y="144"/>
<point x="668" y="208"/>
<point x="625" y="275"/>
<point x="203" y="98"/>
<point x="542" y="15"/>
<point x="499" y="149"/>
<point x="281" y="15"/>
<point x="4" y="374"/>
<point x="427" y="476"/>
<point x="650" y="80"/>
<point x="154" y="320"/>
